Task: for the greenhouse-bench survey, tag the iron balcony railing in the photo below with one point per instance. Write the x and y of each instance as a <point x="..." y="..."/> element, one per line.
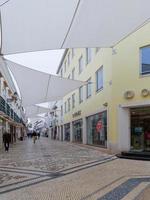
<point x="5" y="108"/>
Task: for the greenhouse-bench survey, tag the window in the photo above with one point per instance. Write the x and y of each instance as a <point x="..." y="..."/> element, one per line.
<point x="80" y="64"/>
<point x="65" y="63"/>
<point x="99" y="79"/>
<point x="73" y="72"/>
<point x="61" y="72"/>
<point x="65" y="107"/>
<point x="97" y="49"/>
<point x="81" y="94"/>
<point x="61" y="110"/>
<point x="68" y="104"/>
<point x="88" y="88"/>
<point x="73" y="100"/>
<point x="88" y="55"/>
<point x="68" y="58"/>
<point x="69" y="76"/>
<point x="72" y="53"/>
<point x="145" y="60"/>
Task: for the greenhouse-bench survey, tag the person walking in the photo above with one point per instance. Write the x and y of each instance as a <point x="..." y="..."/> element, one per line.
<point x="6" y="140"/>
<point x="34" y="135"/>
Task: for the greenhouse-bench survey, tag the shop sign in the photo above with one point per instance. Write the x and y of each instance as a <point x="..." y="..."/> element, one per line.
<point x="99" y="126"/>
<point x="76" y="114"/>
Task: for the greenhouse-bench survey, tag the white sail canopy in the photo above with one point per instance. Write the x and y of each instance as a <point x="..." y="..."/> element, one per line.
<point x="32" y="111"/>
<point x="31" y="25"/>
<point x="38" y="87"/>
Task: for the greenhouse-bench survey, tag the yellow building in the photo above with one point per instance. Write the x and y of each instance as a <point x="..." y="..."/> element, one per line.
<point x="113" y="109"/>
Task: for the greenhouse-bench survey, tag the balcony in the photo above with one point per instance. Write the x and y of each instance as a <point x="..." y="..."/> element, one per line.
<point x="6" y="109"/>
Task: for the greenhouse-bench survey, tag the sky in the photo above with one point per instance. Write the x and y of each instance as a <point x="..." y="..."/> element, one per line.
<point x="46" y="61"/>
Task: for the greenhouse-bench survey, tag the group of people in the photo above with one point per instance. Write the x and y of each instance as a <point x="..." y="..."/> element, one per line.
<point x="34" y="135"/>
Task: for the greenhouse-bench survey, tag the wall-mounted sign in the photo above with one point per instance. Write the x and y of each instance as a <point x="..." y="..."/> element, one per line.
<point x="145" y="92"/>
<point x="76" y="114"/>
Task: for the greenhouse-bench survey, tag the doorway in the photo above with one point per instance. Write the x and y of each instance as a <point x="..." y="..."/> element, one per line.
<point x="140" y="129"/>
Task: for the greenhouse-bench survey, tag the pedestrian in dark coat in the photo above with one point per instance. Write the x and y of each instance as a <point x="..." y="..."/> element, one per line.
<point x="6" y="140"/>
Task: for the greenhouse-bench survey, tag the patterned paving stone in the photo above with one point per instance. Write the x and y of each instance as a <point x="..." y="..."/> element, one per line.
<point x="53" y="170"/>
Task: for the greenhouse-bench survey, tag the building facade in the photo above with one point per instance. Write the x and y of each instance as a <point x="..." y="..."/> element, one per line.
<point x="12" y="114"/>
<point x="112" y="110"/>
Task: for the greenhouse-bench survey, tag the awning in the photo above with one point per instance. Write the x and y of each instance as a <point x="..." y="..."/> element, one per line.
<point x="31" y="25"/>
<point x="38" y="87"/>
<point x="33" y="111"/>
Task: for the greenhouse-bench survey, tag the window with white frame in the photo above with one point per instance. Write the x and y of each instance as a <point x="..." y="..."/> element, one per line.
<point x="69" y="59"/>
<point x="145" y="60"/>
<point x="73" y="100"/>
<point x="61" y="110"/>
<point x="80" y="64"/>
<point x="69" y="104"/>
<point x="88" y="55"/>
<point x="73" y="73"/>
<point x="72" y="52"/>
<point x="99" y="79"/>
<point x="65" y="107"/>
<point x="97" y="49"/>
<point x="81" y="94"/>
<point x="88" y="88"/>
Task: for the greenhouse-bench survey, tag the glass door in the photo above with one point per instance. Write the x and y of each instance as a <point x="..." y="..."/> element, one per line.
<point x="140" y="129"/>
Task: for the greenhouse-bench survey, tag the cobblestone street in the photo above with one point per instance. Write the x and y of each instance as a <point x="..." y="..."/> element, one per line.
<point x="59" y="170"/>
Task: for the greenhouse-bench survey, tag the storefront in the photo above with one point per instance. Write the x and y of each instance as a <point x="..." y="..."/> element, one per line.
<point x="97" y="129"/>
<point x="77" y="131"/>
<point x="67" y="132"/>
<point x="140" y="129"/>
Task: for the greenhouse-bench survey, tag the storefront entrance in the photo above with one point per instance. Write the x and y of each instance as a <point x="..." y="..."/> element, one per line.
<point x="67" y="131"/>
<point x="140" y="129"/>
<point x="77" y="131"/>
<point x="97" y="129"/>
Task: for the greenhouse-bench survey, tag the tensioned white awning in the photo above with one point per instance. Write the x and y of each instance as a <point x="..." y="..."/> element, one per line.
<point x="33" y="111"/>
<point x="38" y="87"/>
<point x="31" y="25"/>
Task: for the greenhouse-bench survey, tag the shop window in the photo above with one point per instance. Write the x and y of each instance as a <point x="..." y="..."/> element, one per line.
<point x="99" y="79"/>
<point x="88" y="88"/>
<point x="77" y="131"/>
<point x="81" y="94"/>
<point x="67" y="132"/>
<point x="145" y="60"/>
<point x="97" y="129"/>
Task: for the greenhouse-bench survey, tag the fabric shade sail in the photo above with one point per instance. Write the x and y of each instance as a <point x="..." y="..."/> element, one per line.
<point x="32" y="111"/>
<point x="31" y="25"/>
<point x="38" y="87"/>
